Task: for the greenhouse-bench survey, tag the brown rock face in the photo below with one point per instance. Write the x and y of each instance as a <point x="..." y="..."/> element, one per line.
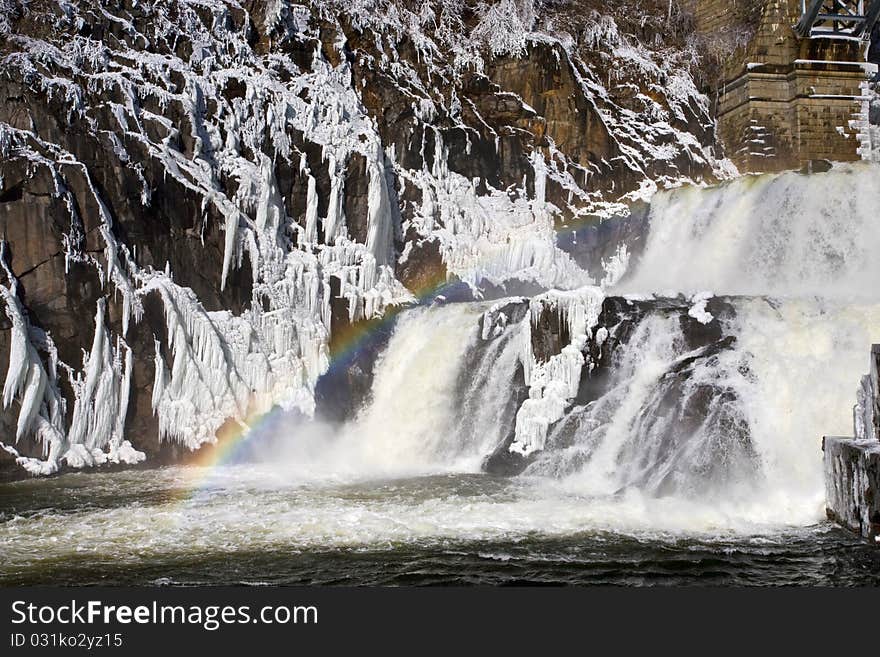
<point x="546" y="82"/>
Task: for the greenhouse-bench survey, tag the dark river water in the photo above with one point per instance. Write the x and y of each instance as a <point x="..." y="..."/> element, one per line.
<point x="246" y="525"/>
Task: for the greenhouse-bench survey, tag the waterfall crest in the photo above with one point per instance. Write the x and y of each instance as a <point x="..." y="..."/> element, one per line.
<point x="786" y="234"/>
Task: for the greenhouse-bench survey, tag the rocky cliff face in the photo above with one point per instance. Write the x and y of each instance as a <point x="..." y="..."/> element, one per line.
<point x="200" y="198"/>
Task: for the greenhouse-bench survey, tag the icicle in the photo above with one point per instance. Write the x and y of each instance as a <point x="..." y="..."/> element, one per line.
<point x="335" y="222"/>
<point x="379" y="221"/>
<point x="160" y="380"/>
<point x="124" y="392"/>
<point x="270" y="208"/>
<point x="311" y="231"/>
<point x="27" y="379"/>
<point x="228" y="247"/>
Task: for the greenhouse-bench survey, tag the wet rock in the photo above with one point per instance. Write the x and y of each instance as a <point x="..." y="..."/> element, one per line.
<point x="423" y="271"/>
<point x="346" y="386"/>
<point x="549" y="334"/>
<point x="694" y="406"/>
<point x="593" y="241"/>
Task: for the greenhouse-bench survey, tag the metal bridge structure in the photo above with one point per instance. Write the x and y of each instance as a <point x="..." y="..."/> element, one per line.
<point x="840" y="18"/>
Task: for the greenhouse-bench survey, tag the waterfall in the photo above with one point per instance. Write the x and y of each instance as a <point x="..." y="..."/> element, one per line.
<point x="801" y="253"/>
<point x="440" y="399"/>
<point x="679" y="400"/>
<point x="787" y="234"/>
<point x="438" y="393"/>
<point x="670" y="421"/>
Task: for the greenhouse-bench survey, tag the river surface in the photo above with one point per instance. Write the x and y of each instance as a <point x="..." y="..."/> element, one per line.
<point x="243" y="524"/>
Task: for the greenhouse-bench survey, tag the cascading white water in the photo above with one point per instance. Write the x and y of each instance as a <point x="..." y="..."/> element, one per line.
<point x="805" y="358"/>
<point x="669" y="424"/>
<point x="778" y="235"/>
<point x="706" y="438"/>
<point x="762" y="406"/>
<point x="801" y="246"/>
<point x="415" y="420"/>
<point x="806" y="248"/>
<point x="436" y="405"/>
<point x="632" y="465"/>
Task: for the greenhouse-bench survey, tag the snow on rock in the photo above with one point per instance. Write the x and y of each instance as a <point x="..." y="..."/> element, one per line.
<point x="495" y="320"/>
<point x="864" y="423"/>
<point x="494" y="236"/>
<point x="553" y="384"/>
<point x="505" y="26"/>
<point x="698" y="309"/>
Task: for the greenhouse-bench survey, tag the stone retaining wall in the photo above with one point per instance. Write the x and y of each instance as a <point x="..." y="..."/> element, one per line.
<point x="785" y="102"/>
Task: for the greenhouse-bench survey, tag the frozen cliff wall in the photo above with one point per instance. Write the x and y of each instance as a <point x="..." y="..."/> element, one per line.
<point x="197" y="197"/>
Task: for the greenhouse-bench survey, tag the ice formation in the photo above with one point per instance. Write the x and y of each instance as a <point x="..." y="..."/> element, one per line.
<point x="851" y="463"/>
<point x="41" y="407"/>
<point x="555" y="382"/>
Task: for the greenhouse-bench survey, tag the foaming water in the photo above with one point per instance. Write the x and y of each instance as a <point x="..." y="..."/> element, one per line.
<point x="427" y="389"/>
<point x="803" y="356"/>
<point x="437" y="405"/>
<point x="779" y="235"/>
<point x="696" y="465"/>
<point x="685" y="440"/>
<point x="249" y="527"/>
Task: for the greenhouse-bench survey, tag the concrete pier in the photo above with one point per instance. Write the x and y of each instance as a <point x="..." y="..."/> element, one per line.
<point x="852" y="465"/>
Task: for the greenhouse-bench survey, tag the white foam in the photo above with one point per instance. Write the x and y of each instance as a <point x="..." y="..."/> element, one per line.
<point x="780" y="235"/>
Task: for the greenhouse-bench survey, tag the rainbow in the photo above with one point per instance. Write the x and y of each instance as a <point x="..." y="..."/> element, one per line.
<point x="233" y="439"/>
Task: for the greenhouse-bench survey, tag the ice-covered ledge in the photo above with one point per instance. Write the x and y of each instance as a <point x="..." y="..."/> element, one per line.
<point x="852" y="484"/>
<point x="852" y="465"/>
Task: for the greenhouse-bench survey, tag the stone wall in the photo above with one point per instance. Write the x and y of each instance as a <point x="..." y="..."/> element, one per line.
<point x="852" y="491"/>
<point x="783" y="102"/>
<point x="720" y="16"/>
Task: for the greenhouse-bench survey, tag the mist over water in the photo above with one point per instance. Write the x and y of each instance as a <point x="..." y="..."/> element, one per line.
<point x="624" y="483"/>
<point x="437" y="405"/>
<point x="794" y="254"/>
